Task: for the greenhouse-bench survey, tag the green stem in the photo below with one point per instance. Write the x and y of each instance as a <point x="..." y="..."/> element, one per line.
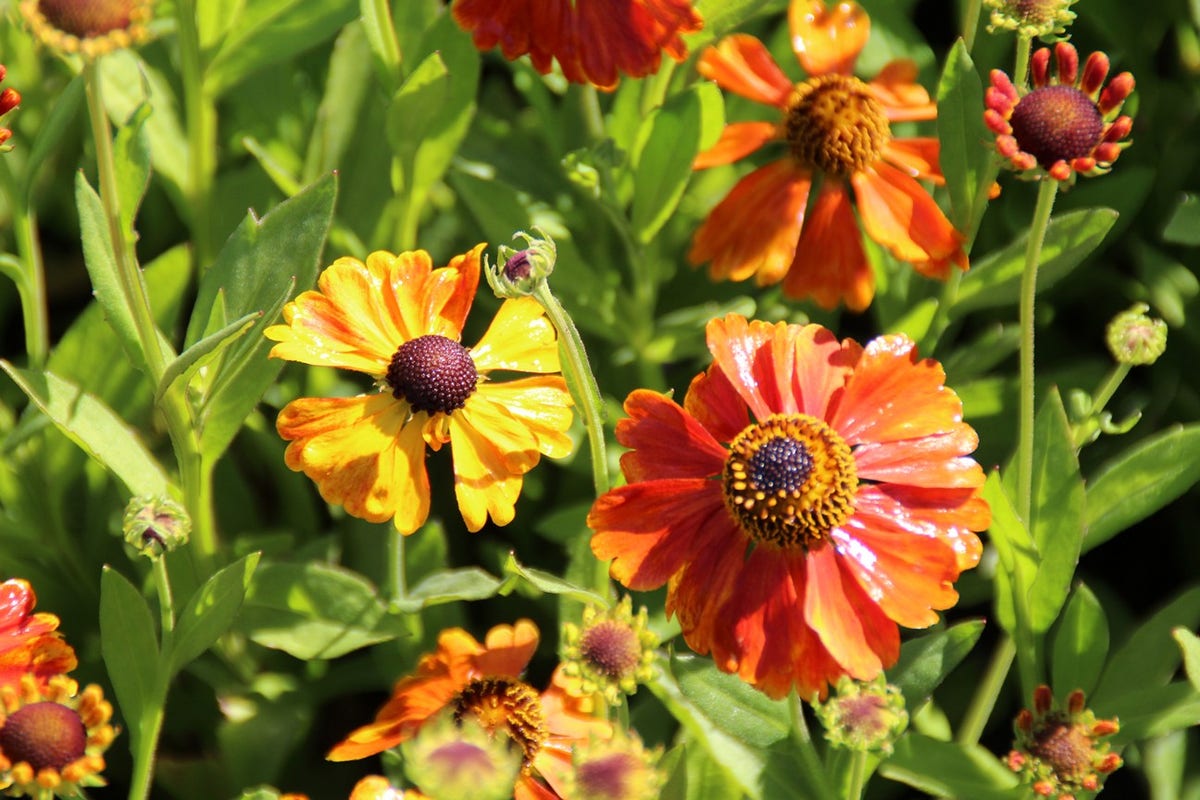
<point x="32" y="287"/>
<point x="397" y="579"/>
<point x="971" y="23"/>
<point x="166" y="602"/>
<point x="201" y="117"/>
<point x="144" y="752"/>
<point x="858" y="775"/>
<point x="1021" y="65"/>
<point x="593" y="117"/>
<point x="987" y="693"/>
<point x="1047" y="190"/>
<point x="811" y="769"/>
<point x="1116" y="376"/>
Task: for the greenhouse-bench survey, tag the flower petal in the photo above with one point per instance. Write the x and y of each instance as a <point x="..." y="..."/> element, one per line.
<point x="713" y="402"/>
<point x="520" y="338"/>
<point x="741" y="240"/>
<point x="827" y="40"/>
<point x="756" y="358"/>
<point x="665" y="441"/>
<point x="831" y="611"/>
<point x="903" y="99"/>
<point x="935" y="461"/>
<point x="738" y="140"/>
<point x="509" y="649"/>
<point x="492" y="451"/>
<point x="830" y="265"/>
<point x="741" y="64"/>
<point x="901" y="216"/>
<point x="361" y="454"/>
<point x="542" y="404"/>
<point x="949" y="515"/>
<point x="917" y="157"/>
<point x="822" y="366"/>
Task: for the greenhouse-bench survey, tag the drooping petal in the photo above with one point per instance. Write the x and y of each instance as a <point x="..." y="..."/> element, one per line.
<point x="665" y="441"/>
<point x="903" y="99"/>
<point x="508" y="649"/>
<point x="738" y="140"/>
<point x="830" y="265"/>
<point x="652" y="528"/>
<point x="361" y="454"/>
<point x="936" y="460"/>
<point x="901" y="216"/>
<point x="917" y="157"/>
<point x="827" y="39"/>
<point x="520" y="339"/>
<point x="830" y="610"/>
<point x="542" y="404"/>
<point x="742" y="64"/>
<point x="492" y="451"/>
<point x="741" y="240"/>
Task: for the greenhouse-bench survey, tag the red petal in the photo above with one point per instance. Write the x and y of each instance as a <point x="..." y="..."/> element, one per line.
<point x="738" y="140"/>
<point x="830" y="265"/>
<point x="822" y="367"/>
<point x="830" y="610"/>
<point x="938" y="460"/>
<point x="715" y="404"/>
<point x="665" y="441"/>
<point x="742" y="65"/>
<point x="746" y="353"/>
<point x="949" y="515"/>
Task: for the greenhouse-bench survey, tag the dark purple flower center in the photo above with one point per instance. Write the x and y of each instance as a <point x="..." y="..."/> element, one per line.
<point x="433" y="373"/>
<point x="44" y="735"/>
<point x="1057" y="123"/>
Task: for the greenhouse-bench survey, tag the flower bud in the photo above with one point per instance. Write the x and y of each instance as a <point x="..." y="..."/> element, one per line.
<point x="155" y="525"/>
<point x="522" y="270"/>
<point x="1135" y="338"/>
<point x="864" y="716"/>
<point x="1031" y="18"/>
<point x="611" y="652"/>
<point x="450" y="760"/>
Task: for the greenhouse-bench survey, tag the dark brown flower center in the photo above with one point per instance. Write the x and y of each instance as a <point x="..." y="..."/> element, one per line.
<point x="1057" y="123"/>
<point x="505" y="704"/>
<point x="611" y="647"/>
<point x="834" y="124"/>
<point x="87" y="18"/>
<point x="44" y="735"/>
<point x="433" y="374"/>
<point x="789" y="480"/>
<point x="1065" y="747"/>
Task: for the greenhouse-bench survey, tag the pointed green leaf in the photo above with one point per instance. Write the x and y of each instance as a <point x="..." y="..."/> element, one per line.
<point x="210" y="612"/>
<point x="732" y="704"/>
<point x="549" y="583"/>
<point x="961" y="132"/>
<point x="995" y="279"/>
<point x="926" y="661"/>
<point x="131" y="154"/>
<point x="948" y="769"/>
<point x="1080" y="643"/>
<point x="60" y="119"/>
<point x="1018" y="558"/>
<point x="417" y="106"/>
<point x="1150" y="657"/>
<point x="1146" y="713"/>
<point x="130" y="649"/>
<point x="190" y="360"/>
<point x="449" y="586"/>
<point x="665" y="163"/>
<point x="94" y="427"/>
<point x="1140" y="481"/>
<point x="1183" y="227"/>
<point x="1189" y="647"/>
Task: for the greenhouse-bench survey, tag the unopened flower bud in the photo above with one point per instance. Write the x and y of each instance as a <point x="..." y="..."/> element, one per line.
<point x="522" y="270"/>
<point x="616" y="768"/>
<point x="1031" y="18"/>
<point x="864" y="716"/>
<point x="1135" y="338"/>
<point x="610" y="653"/>
<point x="156" y="525"/>
<point x="450" y="760"/>
<point x="1060" y="752"/>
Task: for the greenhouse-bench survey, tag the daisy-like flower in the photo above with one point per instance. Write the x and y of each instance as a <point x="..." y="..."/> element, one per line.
<point x="483" y="680"/>
<point x="610" y="653"/>
<point x="594" y="41"/>
<point x="399" y="320"/>
<point x="30" y="644"/>
<point x="89" y="27"/>
<point x="1062" y="751"/>
<point x="836" y="132"/>
<point x="809" y="496"/>
<point x="1069" y="123"/>
<point x="10" y="98"/>
<point x="52" y="737"/>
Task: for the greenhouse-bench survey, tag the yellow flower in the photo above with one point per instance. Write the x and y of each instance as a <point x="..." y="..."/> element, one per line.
<point x="399" y="320"/>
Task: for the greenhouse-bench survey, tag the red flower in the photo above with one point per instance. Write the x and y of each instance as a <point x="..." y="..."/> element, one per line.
<point x="808" y="497"/>
<point x="836" y="128"/>
<point x="29" y="642"/>
<point x="592" y="40"/>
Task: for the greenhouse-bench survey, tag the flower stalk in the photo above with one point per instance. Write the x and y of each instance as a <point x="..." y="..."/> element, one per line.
<point x="811" y="768"/>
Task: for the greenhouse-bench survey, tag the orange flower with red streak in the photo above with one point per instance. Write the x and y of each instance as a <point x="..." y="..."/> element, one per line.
<point x="484" y="680"/>
<point x="837" y="132"/>
<point x="29" y="642"/>
<point x="594" y="41"/>
<point x="808" y="497"/>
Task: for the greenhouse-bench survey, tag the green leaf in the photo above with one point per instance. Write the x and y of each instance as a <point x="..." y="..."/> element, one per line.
<point x="60" y="120"/>
<point x="214" y="18"/>
<point x="449" y="586"/>
<point x="347" y="90"/>
<point x="1017" y="556"/>
<point x="1140" y="481"/>
<point x="1189" y="647"/>
<point x="314" y="610"/>
<point x="720" y="16"/>
<point x="269" y="32"/>
<point x="254" y="273"/>
<point x="963" y="136"/>
<point x="1080" y="643"/>
<point x="417" y="106"/>
<point x="732" y="704"/>
<point x="665" y="163"/>
<point x="926" y="661"/>
<point x="131" y="154"/>
<point x="94" y="427"/>
<point x="381" y="36"/>
<point x="1184" y="225"/>
<point x="947" y="769"/>
<point x="210" y="612"/>
<point x="995" y="279"/>
<point x="780" y="780"/>
<point x="130" y="649"/>
<point x="1146" y="713"/>
<point x="191" y="359"/>
<point x="1150" y="657"/>
<point x="547" y="582"/>
<point x="1057" y="511"/>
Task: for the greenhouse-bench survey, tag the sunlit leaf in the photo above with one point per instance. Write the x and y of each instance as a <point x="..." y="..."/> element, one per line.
<point x="1080" y="643"/>
<point x="130" y="649"/>
<point x="210" y="612"/>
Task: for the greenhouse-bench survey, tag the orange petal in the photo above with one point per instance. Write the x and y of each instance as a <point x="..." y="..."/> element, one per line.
<point x="665" y="441"/>
<point x="827" y="40"/>
<point x="741" y="64"/>
<point x="509" y="649"/>
<point x="361" y="454"/>
<point x="745" y="352"/>
<point x="901" y="216"/>
<point x="822" y="366"/>
<point x="830" y="265"/>
<point x="902" y="97"/>
<point x="917" y="157"/>
<point x="934" y="461"/>
<point x="738" y="140"/>
<point x="830" y="611"/>
<point x="754" y="230"/>
<point x="713" y="402"/>
<point x="950" y="515"/>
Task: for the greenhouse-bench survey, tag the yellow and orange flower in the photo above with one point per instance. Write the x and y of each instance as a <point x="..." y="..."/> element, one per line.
<point x="30" y="643"/>
<point x="594" y="41"/>
<point x="399" y="320"/>
<point x="837" y="132"/>
<point x="484" y="680"/>
<point x="809" y="496"/>
<point x="376" y="787"/>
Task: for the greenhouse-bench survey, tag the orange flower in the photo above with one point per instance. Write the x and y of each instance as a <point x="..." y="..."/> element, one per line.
<point x="837" y="132"/>
<point x="376" y="787"/>
<point x="592" y="40"/>
<point x="808" y="497"/>
<point x="484" y="679"/>
<point x="10" y="98"/>
<point x="399" y="320"/>
<point x="29" y="642"/>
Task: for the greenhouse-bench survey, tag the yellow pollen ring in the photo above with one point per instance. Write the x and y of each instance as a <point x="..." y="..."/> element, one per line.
<point x="834" y="124"/>
<point x="505" y="704"/>
<point x="814" y="485"/>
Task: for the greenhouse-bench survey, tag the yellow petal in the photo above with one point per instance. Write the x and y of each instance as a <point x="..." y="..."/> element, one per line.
<point x="492" y="450"/>
<point x="520" y="338"/>
<point x="542" y="403"/>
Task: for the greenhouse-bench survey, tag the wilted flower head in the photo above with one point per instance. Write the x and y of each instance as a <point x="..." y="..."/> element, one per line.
<point x="89" y="27"/>
<point x="1135" y="338"/>
<point x="1031" y="18"/>
<point x="1062" y="751"/>
<point x="864" y="716"/>
<point x="611" y="652"/>
<point x="1068" y="123"/>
